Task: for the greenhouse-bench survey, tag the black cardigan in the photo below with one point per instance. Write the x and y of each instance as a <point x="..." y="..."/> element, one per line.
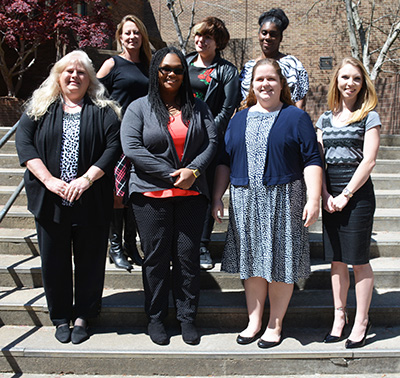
<point x="99" y="145"/>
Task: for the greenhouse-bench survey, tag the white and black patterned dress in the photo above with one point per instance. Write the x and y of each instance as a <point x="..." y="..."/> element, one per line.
<point x="70" y="149"/>
<point x="266" y="237"/>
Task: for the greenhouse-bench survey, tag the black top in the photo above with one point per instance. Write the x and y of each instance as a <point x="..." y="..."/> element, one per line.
<point x="200" y="79"/>
<point x="99" y="145"/>
<point x="126" y="82"/>
<point x="223" y="92"/>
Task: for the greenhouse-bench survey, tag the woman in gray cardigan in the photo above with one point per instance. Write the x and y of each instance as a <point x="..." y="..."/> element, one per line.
<point x="170" y="137"/>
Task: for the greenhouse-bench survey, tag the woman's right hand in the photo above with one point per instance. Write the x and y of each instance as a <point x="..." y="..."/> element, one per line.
<point x="327" y="203"/>
<point x="56" y="186"/>
<point x="217" y="210"/>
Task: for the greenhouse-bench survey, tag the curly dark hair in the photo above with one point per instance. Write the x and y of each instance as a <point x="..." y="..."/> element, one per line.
<point x="275" y="15"/>
<point x="215" y="28"/>
<point x="186" y="98"/>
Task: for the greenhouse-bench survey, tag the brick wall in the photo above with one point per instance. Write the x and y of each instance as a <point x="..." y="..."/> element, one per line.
<point x="10" y="111"/>
<point x="388" y="91"/>
<point x="312" y="33"/>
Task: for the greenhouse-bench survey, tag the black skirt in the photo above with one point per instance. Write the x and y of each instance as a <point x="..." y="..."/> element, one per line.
<point x="347" y="234"/>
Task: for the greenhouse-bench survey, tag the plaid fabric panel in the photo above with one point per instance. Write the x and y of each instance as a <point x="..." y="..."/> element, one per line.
<point x="121" y="172"/>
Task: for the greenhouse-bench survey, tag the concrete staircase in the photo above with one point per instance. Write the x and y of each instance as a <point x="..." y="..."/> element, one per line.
<point x="119" y="345"/>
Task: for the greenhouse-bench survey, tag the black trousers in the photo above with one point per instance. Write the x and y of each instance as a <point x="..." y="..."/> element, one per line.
<point x="170" y="231"/>
<point x="89" y="247"/>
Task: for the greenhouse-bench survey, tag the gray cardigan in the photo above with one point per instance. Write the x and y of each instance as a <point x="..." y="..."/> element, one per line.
<point x="151" y="149"/>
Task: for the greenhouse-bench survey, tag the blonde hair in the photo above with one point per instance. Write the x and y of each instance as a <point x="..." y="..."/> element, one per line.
<point x="285" y="96"/>
<point x="145" y="50"/>
<point x="366" y="98"/>
<point x="50" y="90"/>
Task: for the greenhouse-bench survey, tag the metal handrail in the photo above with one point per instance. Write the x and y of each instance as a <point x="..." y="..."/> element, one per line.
<point x="9" y="134"/>
<point x="21" y="185"/>
<point x="12" y="199"/>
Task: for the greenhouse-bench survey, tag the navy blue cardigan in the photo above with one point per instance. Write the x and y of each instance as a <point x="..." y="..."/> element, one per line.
<point x="292" y="146"/>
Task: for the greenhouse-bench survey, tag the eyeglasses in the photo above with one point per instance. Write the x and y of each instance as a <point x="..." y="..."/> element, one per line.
<point x="168" y="70"/>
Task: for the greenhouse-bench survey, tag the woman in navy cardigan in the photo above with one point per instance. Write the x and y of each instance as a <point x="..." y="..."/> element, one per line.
<point x="272" y="161"/>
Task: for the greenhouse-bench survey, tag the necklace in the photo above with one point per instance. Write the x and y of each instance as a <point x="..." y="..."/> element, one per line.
<point x="173" y="109"/>
<point x="72" y="106"/>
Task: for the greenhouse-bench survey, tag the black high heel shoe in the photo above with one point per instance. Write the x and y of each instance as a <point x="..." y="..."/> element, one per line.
<point x="358" y="344"/>
<point x="334" y="339"/>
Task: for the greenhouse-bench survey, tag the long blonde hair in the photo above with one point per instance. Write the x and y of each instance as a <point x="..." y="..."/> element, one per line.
<point x="50" y="90"/>
<point x="285" y="96"/>
<point x="145" y="50"/>
<point x="366" y="98"/>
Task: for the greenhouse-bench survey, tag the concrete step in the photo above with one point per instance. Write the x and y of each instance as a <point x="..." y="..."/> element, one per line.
<point x="11" y="176"/>
<point x="12" y="375"/>
<point x="24" y="271"/>
<point x="4" y="130"/>
<point x="387" y="166"/>
<point x="7" y="191"/>
<point x="9" y="147"/>
<point x="386" y="181"/>
<point x="123" y="351"/>
<point x="384" y="220"/>
<point x="19" y="241"/>
<point x="9" y="160"/>
<point x="221" y="309"/>
<point x="390" y="140"/>
<point x="386" y="199"/>
<point x="389" y="152"/>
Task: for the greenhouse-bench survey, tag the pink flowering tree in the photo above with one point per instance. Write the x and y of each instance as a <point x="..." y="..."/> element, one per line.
<point x="27" y="24"/>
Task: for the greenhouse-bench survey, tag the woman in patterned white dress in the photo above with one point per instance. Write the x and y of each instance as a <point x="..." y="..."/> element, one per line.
<point x="349" y="135"/>
<point x="272" y="25"/>
<point x="271" y="160"/>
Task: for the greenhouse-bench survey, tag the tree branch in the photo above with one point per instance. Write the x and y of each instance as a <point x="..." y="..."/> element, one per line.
<point x="351" y="30"/>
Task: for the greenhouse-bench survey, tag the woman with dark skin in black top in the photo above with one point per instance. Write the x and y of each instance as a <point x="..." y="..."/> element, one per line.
<point x="125" y="77"/>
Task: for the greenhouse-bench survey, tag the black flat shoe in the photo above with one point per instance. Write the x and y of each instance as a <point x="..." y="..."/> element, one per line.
<point x="63" y="333"/>
<point x="248" y="340"/>
<point x="157" y="333"/>
<point x="358" y="344"/>
<point x="189" y="334"/>
<point x="79" y="334"/>
<point x="268" y="344"/>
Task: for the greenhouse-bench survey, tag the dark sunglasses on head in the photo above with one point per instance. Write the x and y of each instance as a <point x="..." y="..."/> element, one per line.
<point x="168" y="70"/>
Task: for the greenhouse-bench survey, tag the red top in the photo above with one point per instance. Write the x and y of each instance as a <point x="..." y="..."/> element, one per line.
<point x="178" y="131"/>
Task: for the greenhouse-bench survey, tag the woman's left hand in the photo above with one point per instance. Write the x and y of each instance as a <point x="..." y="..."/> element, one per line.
<point x="310" y="212"/>
<point x="185" y="178"/>
<point x="76" y="188"/>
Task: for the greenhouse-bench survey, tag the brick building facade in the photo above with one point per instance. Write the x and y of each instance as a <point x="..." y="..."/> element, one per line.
<point x="313" y="33"/>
